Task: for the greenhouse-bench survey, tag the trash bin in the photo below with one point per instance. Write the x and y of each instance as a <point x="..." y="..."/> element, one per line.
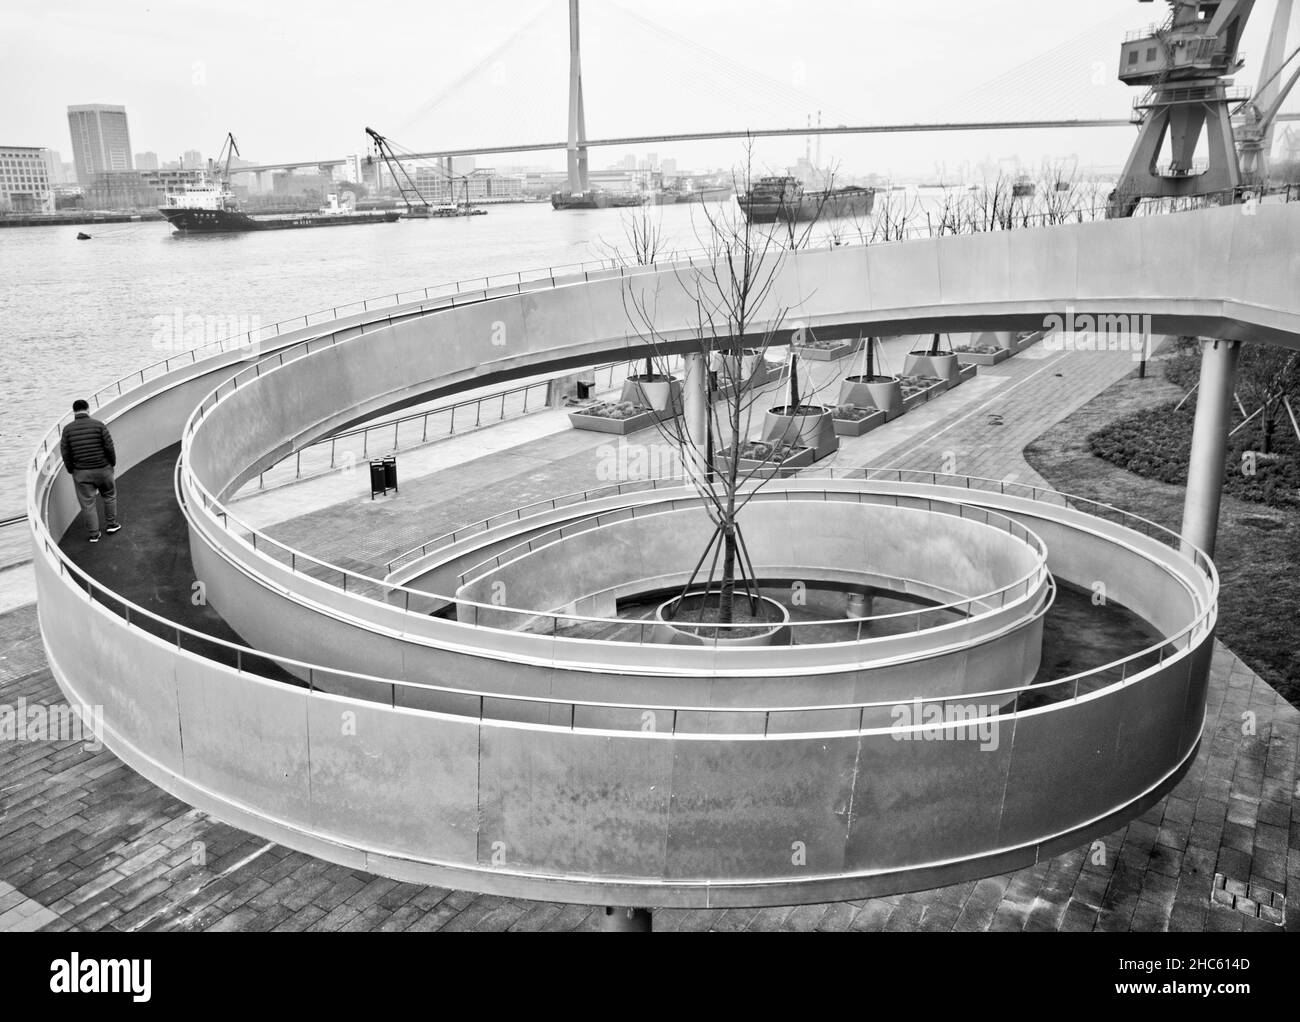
<point x="377" y="478"/>
<point x="585" y="389"/>
<point x="390" y="474"/>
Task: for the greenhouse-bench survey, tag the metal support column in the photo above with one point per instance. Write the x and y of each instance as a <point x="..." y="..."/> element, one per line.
<point x="695" y="398"/>
<point x="1209" y="444"/>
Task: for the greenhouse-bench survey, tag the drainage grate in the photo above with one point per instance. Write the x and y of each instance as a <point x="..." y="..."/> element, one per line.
<point x="1251" y="899"/>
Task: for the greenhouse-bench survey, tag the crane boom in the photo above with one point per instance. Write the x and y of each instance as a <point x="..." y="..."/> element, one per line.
<point x="397" y="170"/>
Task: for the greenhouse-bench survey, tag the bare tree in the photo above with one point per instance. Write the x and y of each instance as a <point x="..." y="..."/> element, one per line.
<point x="642" y="244"/>
<point x="733" y="325"/>
<point x="1267" y="376"/>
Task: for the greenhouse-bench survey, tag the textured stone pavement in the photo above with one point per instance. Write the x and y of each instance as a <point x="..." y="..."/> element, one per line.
<point x="85" y="843"/>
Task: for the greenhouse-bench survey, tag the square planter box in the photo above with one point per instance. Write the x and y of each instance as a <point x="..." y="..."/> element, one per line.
<point x="619" y="427"/>
<point x="846" y="348"/>
<point x="859" y="427"/>
<point x="966" y="373"/>
<point x="1020" y="345"/>
<point x="802" y="458"/>
<point x="922" y="396"/>
<point x="980" y="358"/>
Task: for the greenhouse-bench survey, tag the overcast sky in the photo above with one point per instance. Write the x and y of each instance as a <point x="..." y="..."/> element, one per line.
<point x="299" y="80"/>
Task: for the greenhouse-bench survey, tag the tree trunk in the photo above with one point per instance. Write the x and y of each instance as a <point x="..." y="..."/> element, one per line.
<point x="727" y="590"/>
<point x="1269" y="427"/>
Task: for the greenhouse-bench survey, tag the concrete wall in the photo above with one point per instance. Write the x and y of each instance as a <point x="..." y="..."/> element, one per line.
<point x="564" y="812"/>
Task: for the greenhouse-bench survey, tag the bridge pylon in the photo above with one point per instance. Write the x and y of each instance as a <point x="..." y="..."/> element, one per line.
<point x="577" y="148"/>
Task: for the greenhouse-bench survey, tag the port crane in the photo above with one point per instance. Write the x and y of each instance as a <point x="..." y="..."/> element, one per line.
<point x="1185" y="64"/>
<point x="229" y="150"/>
<point x="407" y="187"/>
<point x="401" y="177"/>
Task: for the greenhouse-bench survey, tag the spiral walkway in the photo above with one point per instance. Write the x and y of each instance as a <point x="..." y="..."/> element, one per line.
<point x="491" y="758"/>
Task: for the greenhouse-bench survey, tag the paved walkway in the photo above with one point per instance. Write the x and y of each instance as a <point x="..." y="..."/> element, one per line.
<point x="86" y="843"/>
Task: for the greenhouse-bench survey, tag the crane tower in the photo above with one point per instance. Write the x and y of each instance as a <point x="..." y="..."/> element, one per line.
<point x="1185" y="63"/>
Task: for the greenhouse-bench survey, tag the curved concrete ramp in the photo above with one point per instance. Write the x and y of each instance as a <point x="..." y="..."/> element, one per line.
<point x="525" y="787"/>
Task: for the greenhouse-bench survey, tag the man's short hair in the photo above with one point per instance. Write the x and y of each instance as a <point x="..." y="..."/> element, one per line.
<point x="81" y="405"/>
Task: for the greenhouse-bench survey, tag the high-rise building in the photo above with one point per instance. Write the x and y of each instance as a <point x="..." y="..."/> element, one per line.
<point x="101" y="143"/>
<point x="193" y="159"/>
<point x="53" y="167"/>
<point x="146" y="161"/>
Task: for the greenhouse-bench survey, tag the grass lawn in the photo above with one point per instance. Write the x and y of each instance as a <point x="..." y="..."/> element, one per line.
<point x="1258" y="551"/>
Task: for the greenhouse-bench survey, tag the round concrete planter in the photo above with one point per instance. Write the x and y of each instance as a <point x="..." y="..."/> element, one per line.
<point x="657" y="392"/>
<point x="777" y="633"/>
<point x="750" y="362"/>
<point x="944" y="366"/>
<point x="859" y="605"/>
<point x="811" y="426"/>
<point x="882" y="392"/>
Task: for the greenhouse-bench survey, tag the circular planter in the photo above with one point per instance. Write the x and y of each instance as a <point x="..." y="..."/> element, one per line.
<point x="657" y="392"/>
<point x="881" y="392"/>
<point x="773" y="633"/>
<point x="858" y="605"/>
<point x="944" y="366"/>
<point x="750" y="361"/>
<point x="806" y="426"/>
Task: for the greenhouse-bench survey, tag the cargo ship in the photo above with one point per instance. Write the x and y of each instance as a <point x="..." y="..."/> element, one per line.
<point x="212" y="209"/>
<point x="783" y="199"/>
<point x="596" y="198"/>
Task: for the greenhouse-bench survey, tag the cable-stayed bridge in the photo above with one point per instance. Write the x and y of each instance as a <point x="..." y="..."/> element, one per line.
<point x="1070" y="86"/>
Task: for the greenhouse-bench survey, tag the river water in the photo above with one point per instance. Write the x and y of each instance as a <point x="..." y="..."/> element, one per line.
<point x="77" y="315"/>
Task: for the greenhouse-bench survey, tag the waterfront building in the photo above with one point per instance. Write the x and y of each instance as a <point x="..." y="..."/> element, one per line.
<point x="146" y="161"/>
<point x="25" y="185"/>
<point x="483" y="185"/>
<point x="119" y="190"/>
<point x="101" y="141"/>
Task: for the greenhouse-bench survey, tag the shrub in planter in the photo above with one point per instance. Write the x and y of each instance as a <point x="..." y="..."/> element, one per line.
<point x="612" y="409"/>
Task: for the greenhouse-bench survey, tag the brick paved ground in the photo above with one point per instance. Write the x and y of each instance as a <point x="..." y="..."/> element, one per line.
<point x="85" y="843"/>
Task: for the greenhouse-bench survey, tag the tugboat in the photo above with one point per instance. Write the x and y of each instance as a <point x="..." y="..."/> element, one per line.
<point x="211" y="208"/>
<point x="783" y="199"/>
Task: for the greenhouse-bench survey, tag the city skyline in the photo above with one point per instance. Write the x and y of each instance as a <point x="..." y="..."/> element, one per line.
<point x="729" y="74"/>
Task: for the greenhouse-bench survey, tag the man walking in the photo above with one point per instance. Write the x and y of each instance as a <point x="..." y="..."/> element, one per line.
<point x="88" y="455"/>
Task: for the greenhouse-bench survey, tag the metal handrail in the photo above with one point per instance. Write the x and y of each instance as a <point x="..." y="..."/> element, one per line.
<point x="294" y="556"/>
<point x="395" y="425"/>
<point x="133" y="614"/>
<point x="570" y="271"/>
<point x="1199" y="559"/>
<point x="1029" y="580"/>
<point x="260" y="541"/>
<point x="216" y="396"/>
